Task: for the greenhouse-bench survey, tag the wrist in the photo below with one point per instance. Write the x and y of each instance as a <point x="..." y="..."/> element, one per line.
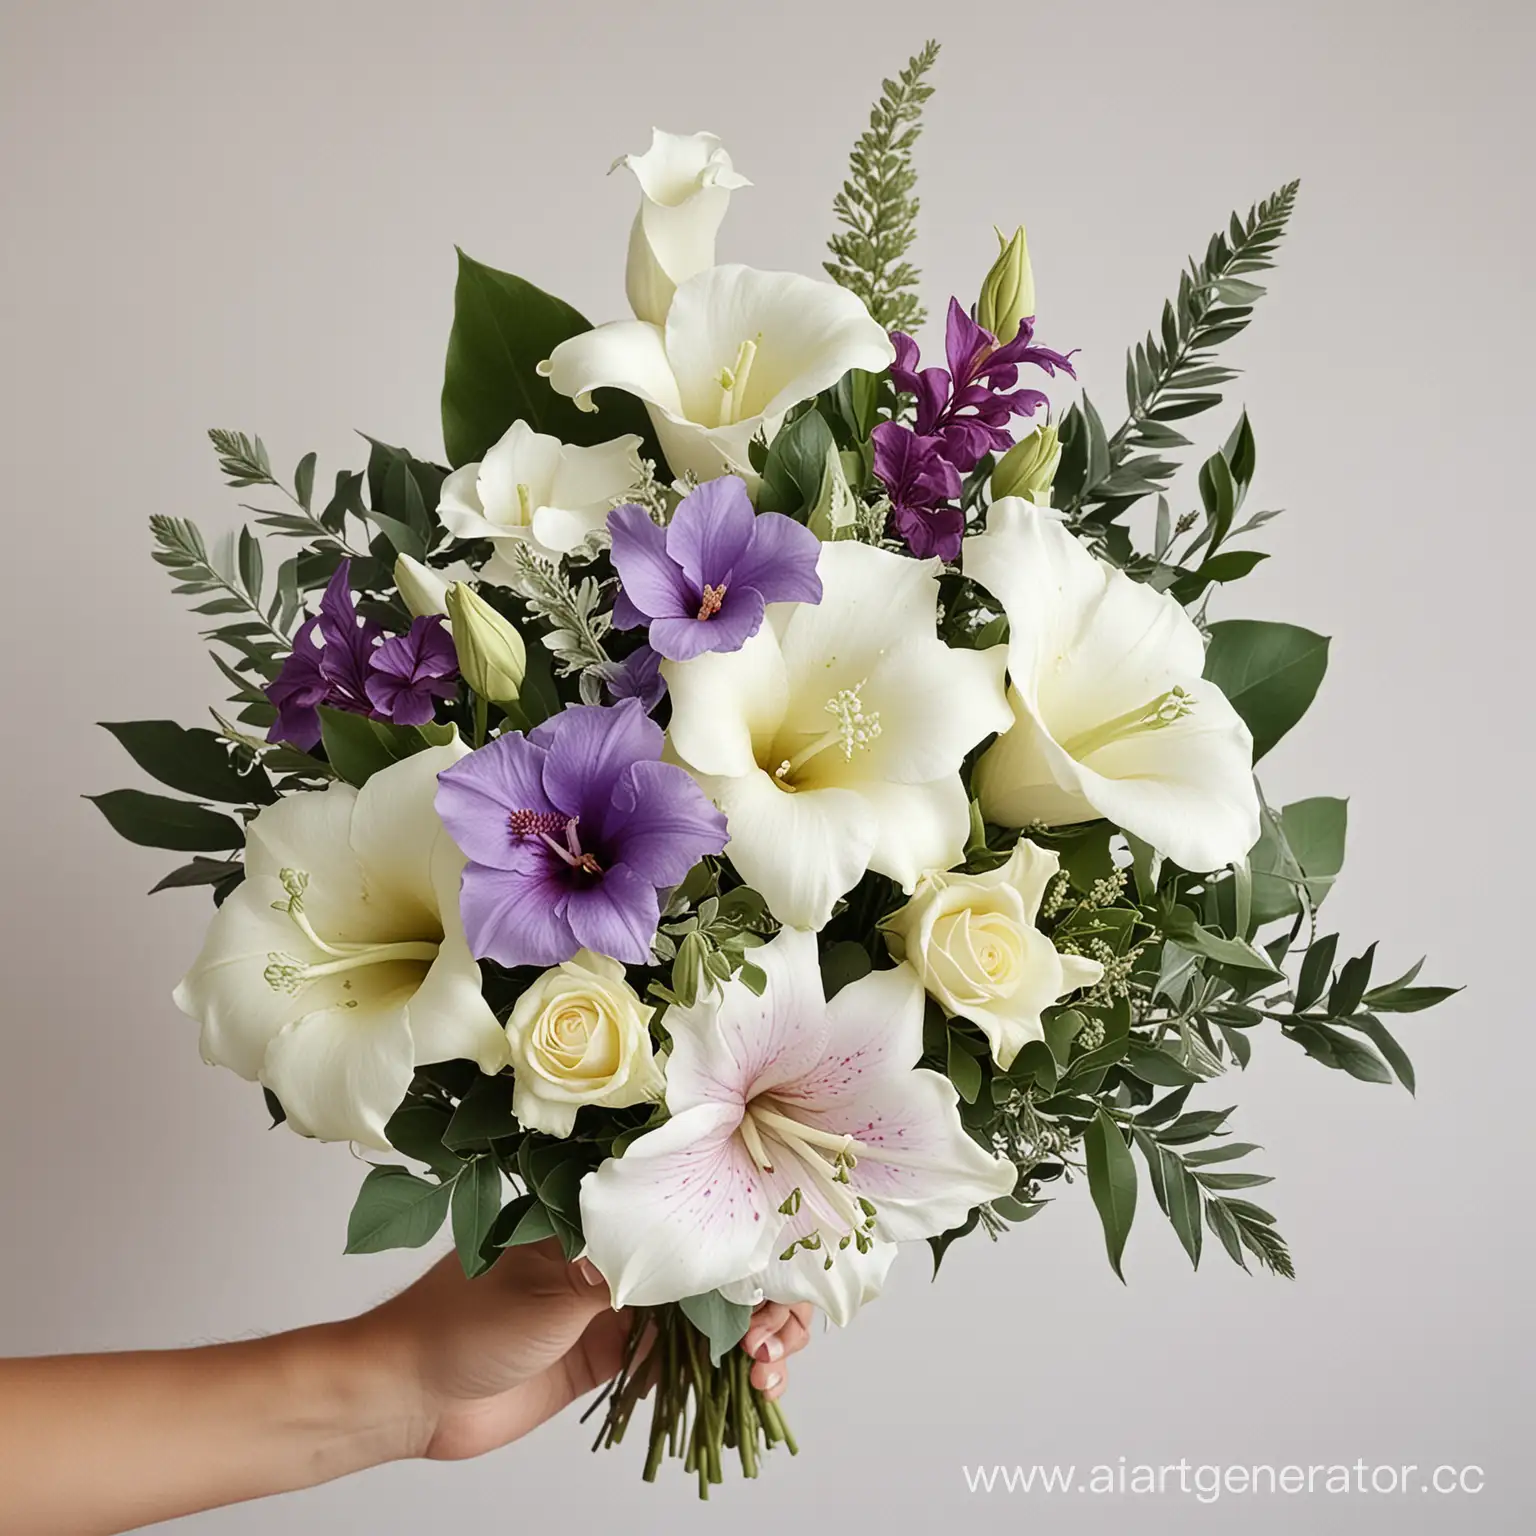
<point x="356" y="1397"/>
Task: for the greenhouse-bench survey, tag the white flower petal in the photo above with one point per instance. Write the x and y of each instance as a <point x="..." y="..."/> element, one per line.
<point x="310" y="832"/>
<point x="800" y="850"/>
<point x="920" y="827"/>
<point x="340" y="1073"/>
<point x="625" y="354"/>
<point x="853" y="1278"/>
<point x="936" y="1173"/>
<point x="681" y="1212"/>
<point x="727" y="705"/>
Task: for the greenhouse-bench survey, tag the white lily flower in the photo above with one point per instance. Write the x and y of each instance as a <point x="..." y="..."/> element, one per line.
<point x="739" y="348"/>
<point x="801" y="1132"/>
<point x="686" y="181"/>
<point x="339" y="965"/>
<point x="1112" y="715"/>
<point x="533" y="488"/>
<point x="833" y="738"/>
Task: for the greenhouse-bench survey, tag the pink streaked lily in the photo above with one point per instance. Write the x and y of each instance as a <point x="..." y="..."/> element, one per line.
<point x="803" y="1144"/>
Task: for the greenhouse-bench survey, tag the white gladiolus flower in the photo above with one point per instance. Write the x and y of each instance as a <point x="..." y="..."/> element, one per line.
<point x="686" y="181"/>
<point x="804" y="1143"/>
<point x="1112" y="715"/>
<point x="739" y="348"/>
<point x="532" y="487"/>
<point x="973" y="942"/>
<point x="339" y="965"/>
<point x="833" y="738"/>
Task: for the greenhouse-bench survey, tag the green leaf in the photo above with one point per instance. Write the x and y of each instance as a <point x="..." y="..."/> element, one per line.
<point x="1303" y="845"/>
<point x="1385" y="1042"/>
<point x="359" y="747"/>
<point x="723" y="1323"/>
<point x="503" y="328"/>
<point x="1348" y="988"/>
<point x="395" y="1209"/>
<point x="963" y="1069"/>
<point x="796" y="465"/>
<point x="484" y="1115"/>
<point x="476" y="1205"/>
<point x="1112" y="1183"/>
<point x="1179" y="923"/>
<point x="1177" y="1192"/>
<point x="196" y="762"/>
<point x="156" y="821"/>
<point x="844" y="962"/>
<point x="1313" y="978"/>
<point x="415" y="1130"/>
<point x="201" y="872"/>
<point x="1152" y="1065"/>
<point x="1269" y="672"/>
<point x="525" y="1220"/>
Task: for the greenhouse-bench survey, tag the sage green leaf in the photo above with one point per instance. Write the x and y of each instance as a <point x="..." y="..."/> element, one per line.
<point x="503" y="328"/>
<point x="395" y="1209"/>
<point x="416" y="1131"/>
<point x="157" y="821"/>
<point x="484" y="1115"/>
<point x="964" y="1070"/>
<point x="1112" y="1183"/>
<point x="1269" y="672"/>
<point x="723" y="1323"/>
<point x="1385" y="1042"/>
<point x="195" y="762"/>
<point x="359" y="747"/>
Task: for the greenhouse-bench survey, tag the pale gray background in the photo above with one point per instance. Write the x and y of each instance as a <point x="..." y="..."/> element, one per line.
<point x="244" y="215"/>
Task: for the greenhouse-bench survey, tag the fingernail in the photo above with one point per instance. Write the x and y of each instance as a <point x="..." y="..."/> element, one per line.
<point x="769" y="1348"/>
<point x="588" y="1272"/>
<point x="772" y="1380"/>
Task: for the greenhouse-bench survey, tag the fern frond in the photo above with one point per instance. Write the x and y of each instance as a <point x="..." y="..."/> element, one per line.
<point x="877" y="206"/>
<point x="244" y="459"/>
<point x="1172" y="374"/>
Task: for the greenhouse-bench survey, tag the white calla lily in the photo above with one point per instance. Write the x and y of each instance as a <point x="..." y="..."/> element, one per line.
<point x="530" y="487"/>
<point x="339" y="964"/>
<point x="833" y="738"/>
<point x="803" y="1144"/>
<point x="1113" y="717"/>
<point x="739" y="348"/>
<point x="686" y="181"/>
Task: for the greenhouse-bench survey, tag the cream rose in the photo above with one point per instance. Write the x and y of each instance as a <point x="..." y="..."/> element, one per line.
<point x="580" y="1035"/>
<point x="973" y="941"/>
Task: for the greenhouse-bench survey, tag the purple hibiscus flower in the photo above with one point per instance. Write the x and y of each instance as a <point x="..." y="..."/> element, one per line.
<point x="701" y="583"/>
<point x="921" y="482"/>
<point x="343" y="661"/>
<point x="408" y="672"/>
<point x="968" y="406"/>
<point x="570" y="832"/>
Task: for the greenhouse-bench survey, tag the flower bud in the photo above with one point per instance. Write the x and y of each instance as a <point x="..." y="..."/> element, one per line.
<point x="492" y="657"/>
<point x="422" y="590"/>
<point x="1008" y="294"/>
<point x="1028" y="468"/>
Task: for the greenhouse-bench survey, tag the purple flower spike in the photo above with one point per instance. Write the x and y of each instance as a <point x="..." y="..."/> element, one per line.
<point x="701" y="583"/>
<point x="408" y="672"/>
<point x="920" y="480"/>
<point x="968" y="407"/>
<point x="570" y="832"/>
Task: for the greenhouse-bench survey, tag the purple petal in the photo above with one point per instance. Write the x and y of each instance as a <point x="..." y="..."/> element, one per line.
<point x="660" y="824"/>
<point x="652" y="580"/>
<point x="904" y="369"/>
<point x="780" y="561"/>
<point x="475" y="796"/>
<point x="616" y="916"/>
<point x="589" y="746"/>
<point x="930" y="532"/>
<point x="296" y="691"/>
<point x="739" y="618"/>
<point x="349" y="640"/>
<point x="966" y="344"/>
<point x="516" y="916"/>
<point x="913" y="468"/>
<point x="709" y="533"/>
<point x="625" y="614"/>
<point x="638" y="676"/>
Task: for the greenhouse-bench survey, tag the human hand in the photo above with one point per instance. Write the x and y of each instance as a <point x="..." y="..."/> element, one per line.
<point x="482" y="1362"/>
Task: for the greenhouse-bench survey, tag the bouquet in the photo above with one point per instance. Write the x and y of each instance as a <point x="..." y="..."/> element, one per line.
<point x="771" y="795"/>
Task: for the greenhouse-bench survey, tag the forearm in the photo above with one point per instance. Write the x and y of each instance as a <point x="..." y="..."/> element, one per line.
<point x="94" y="1444"/>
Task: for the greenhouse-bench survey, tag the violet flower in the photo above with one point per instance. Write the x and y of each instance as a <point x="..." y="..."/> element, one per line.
<point x="343" y="661"/>
<point x="570" y="832"/>
<point x="702" y="582"/>
<point x="920" y="481"/>
<point x="408" y="672"/>
<point x="638" y="676"/>
<point x="968" y="406"/>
